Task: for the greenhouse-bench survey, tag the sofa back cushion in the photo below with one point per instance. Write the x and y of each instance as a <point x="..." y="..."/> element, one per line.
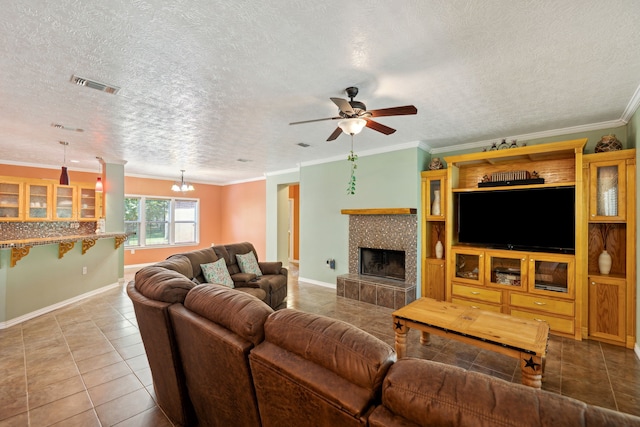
<point x="230" y="251"/>
<point x="419" y="392"/>
<point x="179" y="263"/>
<point x="348" y="351"/>
<point x="161" y="284"/>
<point x="201" y="256"/>
<point x="242" y="314"/>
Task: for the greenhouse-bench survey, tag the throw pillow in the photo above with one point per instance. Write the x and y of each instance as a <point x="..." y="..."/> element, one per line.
<point x="216" y="272"/>
<point x="249" y="264"/>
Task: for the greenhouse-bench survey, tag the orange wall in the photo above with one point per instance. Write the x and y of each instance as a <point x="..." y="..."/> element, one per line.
<point x="243" y="217"/>
<point x="44" y="173"/>
<point x="210" y="206"/>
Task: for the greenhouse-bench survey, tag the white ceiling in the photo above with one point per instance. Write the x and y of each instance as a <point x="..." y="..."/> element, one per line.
<point x="204" y="83"/>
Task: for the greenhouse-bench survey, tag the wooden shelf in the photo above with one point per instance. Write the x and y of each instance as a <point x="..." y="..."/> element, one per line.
<point x="388" y="211"/>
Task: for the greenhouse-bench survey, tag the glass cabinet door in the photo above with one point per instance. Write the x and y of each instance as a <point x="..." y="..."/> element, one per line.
<point x="608" y="191"/>
<point x="506" y="269"/>
<point x="10" y="208"/>
<point x="88" y="203"/>
<point x="434" y="199"/>
<point x="38" y="201"/>
<point x="551" y="275"/>
<point x="64" y="198"/>
<point x="469" y="266"/>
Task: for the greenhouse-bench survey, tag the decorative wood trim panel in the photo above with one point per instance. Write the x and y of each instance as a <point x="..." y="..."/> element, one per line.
<point x="388" y="211"/>
<point x="64" y="247"/>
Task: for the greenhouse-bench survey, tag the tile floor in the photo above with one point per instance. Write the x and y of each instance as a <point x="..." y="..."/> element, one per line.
<point x="85" y="365"/>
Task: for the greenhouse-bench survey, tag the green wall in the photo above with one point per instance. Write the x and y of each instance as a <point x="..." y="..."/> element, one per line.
<point x="389" y="180"/>
<point x="41" y="279"/>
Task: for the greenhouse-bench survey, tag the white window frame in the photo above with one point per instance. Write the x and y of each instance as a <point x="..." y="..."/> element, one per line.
<point x="171" y="222"/>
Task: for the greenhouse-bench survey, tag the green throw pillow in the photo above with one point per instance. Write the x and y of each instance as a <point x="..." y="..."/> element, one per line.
<point x="249" y="264"/>
<point x="216" y="272"/>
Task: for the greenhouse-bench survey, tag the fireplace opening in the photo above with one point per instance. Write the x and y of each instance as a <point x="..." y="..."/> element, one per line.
<point x="385" y="263"/>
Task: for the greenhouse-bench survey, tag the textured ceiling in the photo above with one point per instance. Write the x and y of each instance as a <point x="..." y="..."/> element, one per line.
<point x="204" y="83"/>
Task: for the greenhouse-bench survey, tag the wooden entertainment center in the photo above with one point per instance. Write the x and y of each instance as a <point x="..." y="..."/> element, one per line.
<point x="566" y="290"/>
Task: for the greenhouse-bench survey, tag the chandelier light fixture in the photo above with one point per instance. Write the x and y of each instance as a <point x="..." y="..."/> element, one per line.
<point x="182" y="186"/>
<point x="99" y="188"/>
<point x="64" y="175"/>
<point x="352" y="126"/>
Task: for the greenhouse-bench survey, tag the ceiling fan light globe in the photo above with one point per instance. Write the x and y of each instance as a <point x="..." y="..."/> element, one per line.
<point x="352" y="126"/>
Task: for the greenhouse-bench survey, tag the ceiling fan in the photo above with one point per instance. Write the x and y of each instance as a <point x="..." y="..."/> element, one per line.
<point x="354" y="116"/>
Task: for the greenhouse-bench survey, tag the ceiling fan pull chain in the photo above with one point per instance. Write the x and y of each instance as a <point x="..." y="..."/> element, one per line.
<point x="351" y="189"/>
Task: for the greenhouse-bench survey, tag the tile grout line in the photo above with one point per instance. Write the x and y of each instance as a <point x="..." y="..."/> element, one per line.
<point x="86" y="390"/>
<point x="606" y="367"/>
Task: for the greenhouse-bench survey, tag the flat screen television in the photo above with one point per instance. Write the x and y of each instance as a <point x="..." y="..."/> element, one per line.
<point x="536" y="219"/>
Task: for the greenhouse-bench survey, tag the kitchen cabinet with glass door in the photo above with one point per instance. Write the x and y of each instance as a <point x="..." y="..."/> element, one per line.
<point x="38" y="201"/>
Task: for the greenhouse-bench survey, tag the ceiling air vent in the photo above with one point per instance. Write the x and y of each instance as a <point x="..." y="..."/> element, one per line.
<point x="81" y="81"/>
<point x="303" y="144"/>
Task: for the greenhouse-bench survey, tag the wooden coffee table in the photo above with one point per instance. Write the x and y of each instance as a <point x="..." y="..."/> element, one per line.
<point x="523" y="339"/>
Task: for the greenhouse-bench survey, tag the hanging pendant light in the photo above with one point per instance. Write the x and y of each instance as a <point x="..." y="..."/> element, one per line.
<point x="64" y="175"/>
<point x="182" y="186"/>
<point x="99" y="188"/>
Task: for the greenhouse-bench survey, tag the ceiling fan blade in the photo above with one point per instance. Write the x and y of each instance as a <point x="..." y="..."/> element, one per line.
<point x="394" y="111"/>
<point x="379" y="127"/>
<point x="315" y="120"/>
<point x="336" y="133"/>
<point x="344" y="106"/>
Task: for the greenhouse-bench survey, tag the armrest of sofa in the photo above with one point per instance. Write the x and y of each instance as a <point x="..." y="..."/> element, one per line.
<point x="244" y="280"/>
<point x="270" y="267"/>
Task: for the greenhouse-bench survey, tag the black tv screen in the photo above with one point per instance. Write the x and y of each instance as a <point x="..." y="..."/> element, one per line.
<point x="537" y="219"/>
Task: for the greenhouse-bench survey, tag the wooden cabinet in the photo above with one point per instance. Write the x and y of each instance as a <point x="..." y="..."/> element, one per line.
<point x="434" y="208"/>
<point x="25" y="199"/>
<point x="37" y="201"/>
<point x="89" y="203"/>
<point x="609" y="179"/>
<point x="526" y="283"/>
<point x="64" y="202"/>
<point x="607" y="308"/>
<point x="11" y="206"/>
<point x="434" y="278"/>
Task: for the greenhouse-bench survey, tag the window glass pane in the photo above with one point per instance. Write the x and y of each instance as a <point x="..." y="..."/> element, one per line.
<point x="132" y="209"/>
<point x="185" y="210"/>
<point x="185" y="232"/>
<point x="133" y="232"/>
<point x="157" y="233"/>
<point x="157" y="210"/>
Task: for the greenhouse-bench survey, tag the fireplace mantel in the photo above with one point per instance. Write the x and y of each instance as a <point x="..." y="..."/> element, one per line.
<point x="383" y="211"/>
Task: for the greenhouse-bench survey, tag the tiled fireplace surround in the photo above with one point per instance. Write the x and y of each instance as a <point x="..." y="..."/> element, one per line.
<point x="393" y="231"/>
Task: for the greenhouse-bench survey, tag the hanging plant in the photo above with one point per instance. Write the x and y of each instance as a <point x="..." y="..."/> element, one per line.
<point x="351" y="189"/>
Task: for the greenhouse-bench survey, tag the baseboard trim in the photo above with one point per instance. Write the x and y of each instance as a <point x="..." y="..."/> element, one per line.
<point x="317" y="282"/>
<point x="45" y="310"/>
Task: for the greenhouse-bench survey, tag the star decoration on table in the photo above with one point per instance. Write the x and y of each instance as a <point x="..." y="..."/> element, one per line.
<point x="398" y="325"/>
<point x="531" y="364"/>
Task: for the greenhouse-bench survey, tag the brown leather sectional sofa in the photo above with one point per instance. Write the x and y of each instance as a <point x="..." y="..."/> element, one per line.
<point x="221" y="356"/>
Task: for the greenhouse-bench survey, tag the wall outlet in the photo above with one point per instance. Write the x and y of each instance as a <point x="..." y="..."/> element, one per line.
<point x="133" y="251"/>
<point x="84" y="270"/>
<point x="331" y="263"/>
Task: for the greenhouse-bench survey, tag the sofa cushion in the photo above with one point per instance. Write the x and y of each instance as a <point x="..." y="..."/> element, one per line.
<point x="271" y="267"/>
<point x="161" y="284"/>
<point x="352" y="353"/>
<point x="232" y="309"/>
<point x="179" y="263"/>
<point x="201" y="256"/>
<point x="237" y="248"/>
<point x="248" y="263"/>
<point x="216" y="272"/>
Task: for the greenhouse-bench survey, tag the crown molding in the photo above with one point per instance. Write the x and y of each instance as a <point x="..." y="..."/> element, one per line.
<point x="632" y="106"/>
<point x="531" y="136"/>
